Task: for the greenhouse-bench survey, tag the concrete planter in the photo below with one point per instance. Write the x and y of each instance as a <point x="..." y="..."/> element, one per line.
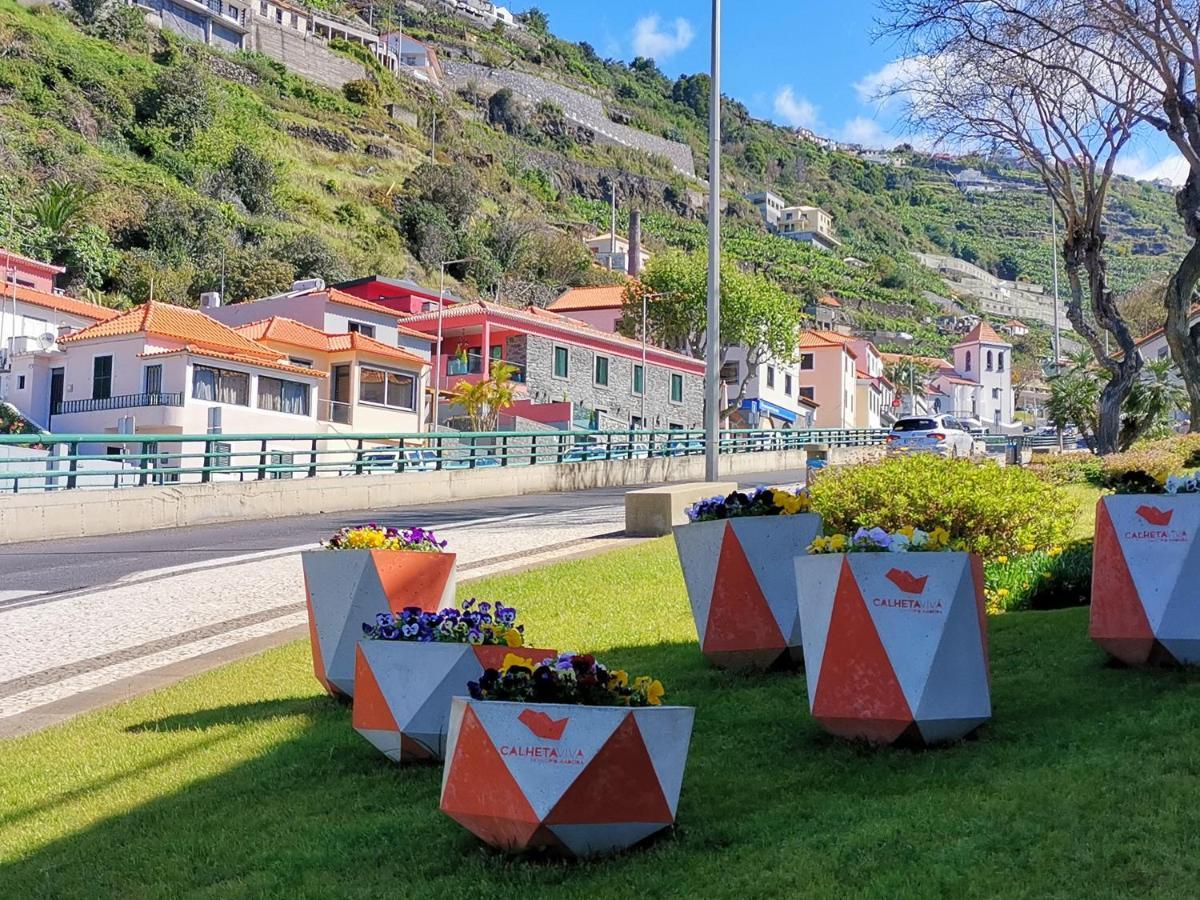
<point x="578" y="780"/>
<point x="345" y="588"/>
<point x="403" y="691"/>
<point x="742" y="586"/>
<point x="896" y="645"/>
<point x="1145" y="578"/>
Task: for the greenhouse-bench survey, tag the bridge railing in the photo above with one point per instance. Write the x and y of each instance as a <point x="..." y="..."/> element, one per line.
<point x="32" y="462"/>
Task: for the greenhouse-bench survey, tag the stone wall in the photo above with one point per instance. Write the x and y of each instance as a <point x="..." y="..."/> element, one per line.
<point x="577" y="106"/>
<point x="305" y="55"/>
<point x="617" y="399"/>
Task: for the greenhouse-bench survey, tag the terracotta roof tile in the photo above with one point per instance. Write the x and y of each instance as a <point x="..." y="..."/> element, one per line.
<point x="604" y="296"/>
<point x="236" y="357"/>
<point x="58" y="302"/>
<point x="177" y="323"/>
<point x="297" y="334"/>
<point x="48" y="268"/>
<point x="821" y="339"/>
<point x="983" y="333"/>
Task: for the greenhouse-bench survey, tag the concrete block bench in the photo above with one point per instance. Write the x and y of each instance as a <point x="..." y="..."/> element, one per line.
<point x="652" y="512"/>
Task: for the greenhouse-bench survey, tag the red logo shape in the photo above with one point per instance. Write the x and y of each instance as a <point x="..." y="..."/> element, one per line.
<point x="907" y="581"/>
<point x="1156" y="516"/>
<point x="542" y="725"/>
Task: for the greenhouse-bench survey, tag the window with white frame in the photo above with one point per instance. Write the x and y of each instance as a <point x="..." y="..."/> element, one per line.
<point x="281" y="395"/>
<point x="600" y="377"/>
<point x="562" y="362"/>
<point x="385" y="388"/>
<point x="363" y="328"/>
<point x="770" y="376"/>
<point x="639" y="380"/>
<point x="220" y="386"/>
<point x="676" y="388"/>
<point x="807" y="362"/>
<point x="787" y="383"/>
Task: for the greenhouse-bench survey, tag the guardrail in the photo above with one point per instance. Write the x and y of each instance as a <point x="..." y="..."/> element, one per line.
<point x="71" y="461"/>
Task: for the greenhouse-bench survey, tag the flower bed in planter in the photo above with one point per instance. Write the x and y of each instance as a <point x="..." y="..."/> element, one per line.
<point x="573" y="778"/>
<point x="736" y="557"/>
<point x="359" y="572"/>
<point x="1145" y="574"/>
<point x="411" y="665"/>
<point x="895" y="642"/>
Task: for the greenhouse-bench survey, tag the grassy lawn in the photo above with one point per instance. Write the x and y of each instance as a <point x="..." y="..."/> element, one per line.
<point x="247" y="782"/>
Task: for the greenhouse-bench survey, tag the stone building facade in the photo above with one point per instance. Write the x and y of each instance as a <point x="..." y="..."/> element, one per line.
<point x="616" y="404"/>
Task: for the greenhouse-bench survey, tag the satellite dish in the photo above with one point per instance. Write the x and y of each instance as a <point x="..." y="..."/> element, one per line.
<point x="48" y="340"/>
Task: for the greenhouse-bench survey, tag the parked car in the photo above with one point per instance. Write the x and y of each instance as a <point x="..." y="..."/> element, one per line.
<point x="690" y="447"/>
<point x="414" y="460"/>
<point x="585" y="453"/>
<point x="629" y="451"/>
<point x="931" y="434"/>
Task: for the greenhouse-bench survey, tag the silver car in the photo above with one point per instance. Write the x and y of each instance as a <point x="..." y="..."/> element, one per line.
<point x="931" y="434"/>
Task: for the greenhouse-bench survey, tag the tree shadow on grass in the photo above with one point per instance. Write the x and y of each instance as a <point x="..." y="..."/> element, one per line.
<point x="770" y="803"/>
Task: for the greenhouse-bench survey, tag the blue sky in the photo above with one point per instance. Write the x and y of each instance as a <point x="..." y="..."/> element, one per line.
<point x="809" y="63"/>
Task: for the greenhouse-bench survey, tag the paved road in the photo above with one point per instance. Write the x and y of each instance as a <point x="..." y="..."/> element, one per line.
<point x="159" y="601"/>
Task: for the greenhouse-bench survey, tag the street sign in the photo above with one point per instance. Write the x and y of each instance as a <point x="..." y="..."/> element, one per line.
<point x="895" y="403"/>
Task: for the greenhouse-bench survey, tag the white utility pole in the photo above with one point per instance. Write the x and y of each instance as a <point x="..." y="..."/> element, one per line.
<point x="712" y="372"/>
<point x="439" y="355"/>
<point x="612" y="227"/>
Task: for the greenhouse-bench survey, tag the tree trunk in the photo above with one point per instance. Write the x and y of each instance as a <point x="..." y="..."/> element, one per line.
<point x="1182" y="338"/>
<point x="1083" y="252"/>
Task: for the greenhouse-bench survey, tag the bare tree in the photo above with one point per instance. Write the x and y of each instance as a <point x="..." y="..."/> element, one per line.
<point x="1156" y="43"/>
<point x="1019" y="91"/>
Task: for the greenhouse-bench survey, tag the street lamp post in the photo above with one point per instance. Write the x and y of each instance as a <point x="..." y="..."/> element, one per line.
<point x="437" y="360"/>
<point x="712" y="372"/>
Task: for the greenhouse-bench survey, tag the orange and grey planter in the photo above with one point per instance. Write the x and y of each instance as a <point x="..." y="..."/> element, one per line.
<point x="1144" y="570"/>
<point x="345" y="588"/>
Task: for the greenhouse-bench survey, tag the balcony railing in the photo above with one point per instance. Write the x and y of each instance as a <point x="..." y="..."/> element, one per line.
<point x="122" y="401"/>
<point x="336" y="411"/>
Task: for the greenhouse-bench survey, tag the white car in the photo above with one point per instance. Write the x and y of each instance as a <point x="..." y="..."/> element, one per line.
<point x="931" y="434"/>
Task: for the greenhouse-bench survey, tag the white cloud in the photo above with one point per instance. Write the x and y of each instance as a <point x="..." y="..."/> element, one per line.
<point x="1174" y="168"/>
<point x="874" y="87"/>
<point x="795" y="111"/>
<point x="868" y="132"/>
<point x="652" y="40"/>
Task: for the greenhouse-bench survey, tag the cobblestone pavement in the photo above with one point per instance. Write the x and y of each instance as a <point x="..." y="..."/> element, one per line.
<point x="56" y="645"/>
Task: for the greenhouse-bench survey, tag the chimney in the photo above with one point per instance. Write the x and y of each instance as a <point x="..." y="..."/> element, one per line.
<point x="210" y="300"/>
<point x="635" y="244"/>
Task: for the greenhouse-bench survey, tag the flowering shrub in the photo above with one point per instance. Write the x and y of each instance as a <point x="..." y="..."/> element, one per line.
<point x="1080" y="467"/>
<point x="569" y="678"/>
<point x="877" y="540"/>
<point x="986" y="508"/>
<point x="762" y="502"/>
<point x="1044" y="579"/>
<point x="377" y="537"/>
<point x="475" y="623"/>
<point x="1136" y="471"/>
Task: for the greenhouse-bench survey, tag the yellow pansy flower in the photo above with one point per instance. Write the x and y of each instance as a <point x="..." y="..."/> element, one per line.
<point x="837" y="543"/>
<point x="620" y="678"/>
<point x="907" y="531"/>
<point x="654" y="693"/>
<point x="1002" y="559"/>
<point x="513" y="638"/>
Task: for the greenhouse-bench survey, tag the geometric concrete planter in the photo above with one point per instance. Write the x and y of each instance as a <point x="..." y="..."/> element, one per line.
<point x="403" y="691"/>
<point x="895" y="645"/>
<point x="742" y="587"/>
<point x="576" y="780"/>
<point x="1146" y="579"/>
<point x="346" y="588"/>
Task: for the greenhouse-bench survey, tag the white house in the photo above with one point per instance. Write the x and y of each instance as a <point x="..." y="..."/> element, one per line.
<point x="774" y="397"/>
<point x="610" y="253"/>
<point x="980" y="383"/>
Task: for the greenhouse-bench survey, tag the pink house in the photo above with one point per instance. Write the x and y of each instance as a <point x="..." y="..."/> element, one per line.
<point x="28" y="273"/>
<point x="829" y="375"/>
<point x="600" y="306"/>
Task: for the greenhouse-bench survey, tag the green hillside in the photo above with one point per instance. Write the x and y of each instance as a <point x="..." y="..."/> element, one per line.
<point x="148" y="165"/>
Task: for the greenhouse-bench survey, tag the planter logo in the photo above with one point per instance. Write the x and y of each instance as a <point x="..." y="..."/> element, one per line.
<point x="907" y="581"/>
<point x="909" y="584"/>
<point x="1156" y="516"/>
<point x="544" y="728"/>
<point x="542" y="725"/>
<point x="1157" y="521"/>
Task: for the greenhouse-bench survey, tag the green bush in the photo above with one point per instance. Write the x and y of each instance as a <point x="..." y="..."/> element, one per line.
<point x="1157" y="459"/>
<point x="991" y="510"/>
<point x="180" y="102"/>
<point x="362" y="92"/>
<point x="1044" y="579"/>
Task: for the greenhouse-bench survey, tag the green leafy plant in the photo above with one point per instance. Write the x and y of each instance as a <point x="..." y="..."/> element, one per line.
<point x="988" y="509"/>
<point x="1045" y="579"/>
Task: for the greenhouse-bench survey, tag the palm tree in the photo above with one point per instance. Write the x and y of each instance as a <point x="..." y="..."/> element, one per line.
<point x="60" y="206"/>
<point x="484" y="400"/>
<point x="1075" y="396"/>
<point x="1155" y="397"/>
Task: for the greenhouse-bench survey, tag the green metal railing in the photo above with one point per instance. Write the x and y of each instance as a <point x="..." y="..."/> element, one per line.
<point x="71" y="461"/>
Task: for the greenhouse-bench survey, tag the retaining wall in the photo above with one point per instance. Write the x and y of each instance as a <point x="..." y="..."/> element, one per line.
<point x="79" y="513"/>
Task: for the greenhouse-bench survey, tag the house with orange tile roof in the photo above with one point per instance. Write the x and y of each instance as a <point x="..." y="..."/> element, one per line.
<point x="327" y="309"/>
<point x="979" y="383"/>
<point x="163" y="369"/>
<point x="599" y="306"/>
<point x="611" y="381"/>
<point x="829" y="375"/>
<point x="372" y="387"/>
<point x="32" y="316"/>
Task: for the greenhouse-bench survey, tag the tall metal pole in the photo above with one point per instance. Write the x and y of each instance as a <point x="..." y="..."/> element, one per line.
<point x="1054" y="257"/>
<point x="644" y="375"/>
<point x="437" y="378"/>
<point x="712" y="372"/>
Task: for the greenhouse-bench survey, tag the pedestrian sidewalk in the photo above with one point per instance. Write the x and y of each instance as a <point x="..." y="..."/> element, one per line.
<point x="63" y="654"/>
